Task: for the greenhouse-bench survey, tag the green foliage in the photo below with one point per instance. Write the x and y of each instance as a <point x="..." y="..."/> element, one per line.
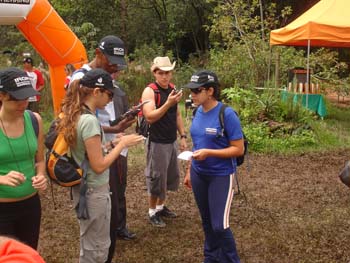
<point x="244" y="102"/>
<point x="262" y="140"/>
<point x="101" y="14"/>
<point x="87" y="33"/>
<point x="237" y="28"/>
<point x="288" y="58"/>
<point x="233" y="67"/>
<point x="257" y="135"/>
<point x="269" y="104"/>
<point x="270" y="124"/>
<point x="138" y="74"/>
<point x="228" y="37"/>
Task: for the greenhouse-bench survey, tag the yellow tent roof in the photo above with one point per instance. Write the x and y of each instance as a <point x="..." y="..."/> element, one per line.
<point x="326" y="24"/>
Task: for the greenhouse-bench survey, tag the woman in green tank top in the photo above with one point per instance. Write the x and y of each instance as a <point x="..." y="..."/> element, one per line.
<point x="22" y="167"/>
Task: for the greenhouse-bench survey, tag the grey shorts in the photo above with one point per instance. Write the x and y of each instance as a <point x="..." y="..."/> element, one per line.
<point x="94" y="232"/>
<point x="162" y="170"/>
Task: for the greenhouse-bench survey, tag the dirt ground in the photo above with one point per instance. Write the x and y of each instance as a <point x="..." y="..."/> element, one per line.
<point x="290" y="209"/>
<point x="339" y="101"/>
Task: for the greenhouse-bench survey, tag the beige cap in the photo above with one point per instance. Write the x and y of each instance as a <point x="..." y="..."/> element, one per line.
<point x="162" y="63"/>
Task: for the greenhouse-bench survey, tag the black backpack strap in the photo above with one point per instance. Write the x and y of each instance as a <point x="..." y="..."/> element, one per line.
<point x="81" y="208"/>
<point x="222" y="119"/>
<point x="35" y="122"/>
<point x="223" y="132"/>
<point x="194" y="111"/>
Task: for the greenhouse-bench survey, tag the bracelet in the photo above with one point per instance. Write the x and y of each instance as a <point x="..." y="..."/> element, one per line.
<point x="111" y="144"/>
<point x="184" y="136"/>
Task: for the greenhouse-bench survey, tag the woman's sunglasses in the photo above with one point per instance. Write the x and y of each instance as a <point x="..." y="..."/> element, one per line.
<point x="197" y="90"/>
<point x="109" y="93"/>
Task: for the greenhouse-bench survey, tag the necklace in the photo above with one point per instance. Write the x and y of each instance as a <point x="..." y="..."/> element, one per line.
<point x="87" y="108"/>
<point x="10" y="145"/>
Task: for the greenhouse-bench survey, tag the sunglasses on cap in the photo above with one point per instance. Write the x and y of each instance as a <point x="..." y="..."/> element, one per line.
<point x="198" y="90"/>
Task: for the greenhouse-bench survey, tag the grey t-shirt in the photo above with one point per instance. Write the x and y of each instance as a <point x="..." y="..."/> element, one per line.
<point x="89" y="126"/>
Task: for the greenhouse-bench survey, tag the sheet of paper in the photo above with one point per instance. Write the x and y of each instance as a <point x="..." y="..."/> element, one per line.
<point x="124" y="152"/>
<point x="186" y="155"/>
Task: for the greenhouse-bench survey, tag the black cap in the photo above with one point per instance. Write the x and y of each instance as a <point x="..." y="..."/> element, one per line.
<point x="97" y="78"/>
<point x="28" y="60"/>
<point x="17" y="83"/>
<point x="113" y="48"/>
<point x="203" y="78"/>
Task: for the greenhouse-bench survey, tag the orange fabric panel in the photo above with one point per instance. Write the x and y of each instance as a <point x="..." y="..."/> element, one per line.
<point x="57" y="80"/>
<point x="326" y="24"/>
<point x="12" y="251"/>
<point x="55" y="42"/>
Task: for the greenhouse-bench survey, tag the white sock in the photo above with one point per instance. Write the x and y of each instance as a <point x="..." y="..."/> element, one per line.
<point x="159" y="207"/>
<point x="152" y="211"/>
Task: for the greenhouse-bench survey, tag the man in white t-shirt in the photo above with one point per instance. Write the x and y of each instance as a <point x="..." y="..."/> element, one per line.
<point x="37" y="79"/>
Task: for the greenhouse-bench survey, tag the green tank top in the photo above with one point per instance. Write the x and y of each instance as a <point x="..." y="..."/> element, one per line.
<point x="19" y="154"/>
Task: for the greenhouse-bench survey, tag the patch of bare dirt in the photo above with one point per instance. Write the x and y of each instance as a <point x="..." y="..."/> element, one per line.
<point x="290" y="209"/>
<point x="340" y="101"/>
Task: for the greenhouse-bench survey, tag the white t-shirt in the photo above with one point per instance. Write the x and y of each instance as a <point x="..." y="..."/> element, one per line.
<point x="33" y="79"/>
<point x="104" y="116"/>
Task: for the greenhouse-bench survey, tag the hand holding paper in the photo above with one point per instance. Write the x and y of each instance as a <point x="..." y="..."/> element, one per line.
<point x="185" y="155"/>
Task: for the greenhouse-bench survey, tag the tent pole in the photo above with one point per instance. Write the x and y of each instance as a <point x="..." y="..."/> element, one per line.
<point x="269" y="66"/>
<point x="308" y="73"/>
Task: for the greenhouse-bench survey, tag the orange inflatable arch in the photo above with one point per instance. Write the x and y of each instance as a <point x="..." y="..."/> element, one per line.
<point x="49" y="35"/>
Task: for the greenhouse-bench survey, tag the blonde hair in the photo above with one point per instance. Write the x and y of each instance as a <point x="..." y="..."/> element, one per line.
<point x="72" y="107"/>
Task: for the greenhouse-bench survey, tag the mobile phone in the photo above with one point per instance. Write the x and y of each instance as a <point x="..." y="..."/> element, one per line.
<point x="135" y="110"/>
<point x="177" y="91"/>
<point x="130" y="114"/>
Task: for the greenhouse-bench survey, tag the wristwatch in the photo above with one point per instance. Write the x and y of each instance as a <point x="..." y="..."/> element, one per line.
<point x="183" y="136"/>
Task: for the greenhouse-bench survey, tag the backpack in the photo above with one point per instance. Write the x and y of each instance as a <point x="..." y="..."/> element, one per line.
<point x="239" y="159"/>
<point x="60" y="165"/>
<point x="142" y="126"/>
<point x="35" y="123"/>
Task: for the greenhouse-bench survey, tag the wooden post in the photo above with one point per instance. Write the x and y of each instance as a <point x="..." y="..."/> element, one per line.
<point x="277" y="70"/>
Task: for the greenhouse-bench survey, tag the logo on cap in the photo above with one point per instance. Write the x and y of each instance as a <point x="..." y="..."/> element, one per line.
<point x="211" y="78"/>
<point x="102" y="45"/>
<point x="194" y="78"/>
<point x="118" y="51"/>
<point x="22" y="81"/>
<point x="100" y="82"/>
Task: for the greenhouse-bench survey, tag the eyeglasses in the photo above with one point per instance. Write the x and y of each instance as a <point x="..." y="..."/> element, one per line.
<point x="197" y="90"/>
<point x="109" y="93"/>
<point x="115" y="67"/>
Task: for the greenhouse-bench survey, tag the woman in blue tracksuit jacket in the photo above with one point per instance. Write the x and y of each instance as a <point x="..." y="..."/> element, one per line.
<point x="211" y="171"/>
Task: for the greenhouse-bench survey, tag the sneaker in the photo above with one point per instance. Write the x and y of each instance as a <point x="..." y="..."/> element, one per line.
<point x="166" y="212"/>
<point x="125" y="234"/>
<point x="156" y="220"/>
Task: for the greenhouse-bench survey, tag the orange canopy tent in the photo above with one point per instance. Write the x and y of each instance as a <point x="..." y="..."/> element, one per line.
<point x="326" y="24"/>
